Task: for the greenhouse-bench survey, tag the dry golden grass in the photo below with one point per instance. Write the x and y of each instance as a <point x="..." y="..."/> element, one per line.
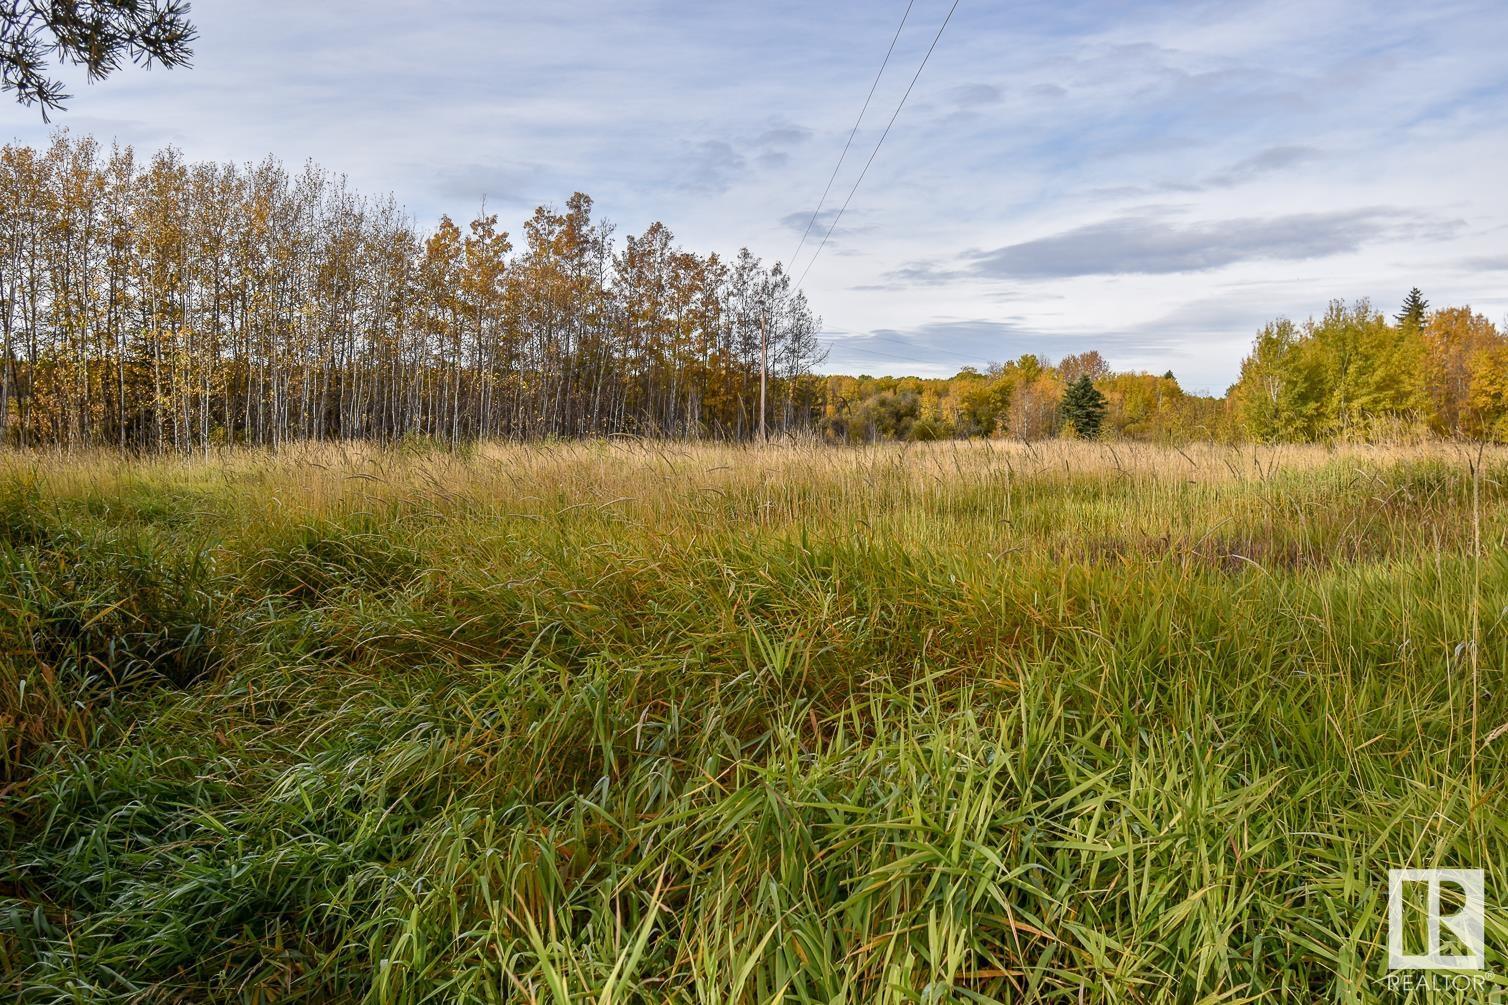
<point x="638" y="721"/>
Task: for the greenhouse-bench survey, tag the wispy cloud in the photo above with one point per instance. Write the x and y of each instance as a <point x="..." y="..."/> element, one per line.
<point x="1153" y="245"/>
<point x="502" y="183"/>
<point x="712" y="166"/>
<point x="1486" y="263"/>
<point x="944" y="346"/>
<point x="822" y="226"/>
<point x="780" y="137"/>
<point x="1150" y="243"/>
<point x="1269" y="161"/>
<point x="975" y="95"/>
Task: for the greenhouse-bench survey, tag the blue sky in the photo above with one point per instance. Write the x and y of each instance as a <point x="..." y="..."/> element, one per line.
<point x="1150" y="179"/>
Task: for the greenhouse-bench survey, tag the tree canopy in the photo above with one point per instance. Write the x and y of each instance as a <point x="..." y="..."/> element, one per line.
<point x="99" y="35"/>
<point x="1351" y="375"/>
<point x="162" y="305"/>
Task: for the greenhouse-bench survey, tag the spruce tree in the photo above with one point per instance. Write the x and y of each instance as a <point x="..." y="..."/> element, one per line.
<point x="1084" y="408"/>
<point x="99" y="36"/>
<point x="1414" y="308"/>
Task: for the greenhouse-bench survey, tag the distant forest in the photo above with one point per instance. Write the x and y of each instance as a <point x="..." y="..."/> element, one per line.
<point x="166" y="306"/>
<point x="170" y="306"/>
<point x="1353" y="374"/>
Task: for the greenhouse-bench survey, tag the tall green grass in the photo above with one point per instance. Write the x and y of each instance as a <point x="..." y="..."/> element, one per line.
<point x="644" y="723"/>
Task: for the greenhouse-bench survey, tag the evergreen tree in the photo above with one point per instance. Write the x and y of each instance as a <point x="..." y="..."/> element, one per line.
<point x="1084" y="408"/>
<point x="98" y="35"/>
<point x="1414" y="308"/>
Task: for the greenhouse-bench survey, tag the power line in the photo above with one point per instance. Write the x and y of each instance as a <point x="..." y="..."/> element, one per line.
<point x="897" y="340"/>
<point x="876" y="354"/>
<point x="877" y="146"/>
<point x="851" y="134"/>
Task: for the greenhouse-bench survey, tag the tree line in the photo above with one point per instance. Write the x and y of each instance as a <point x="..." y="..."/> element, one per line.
<point x="1351" y="374"/>
<point x="1356" y="374"/>
<point x="1028" y="398"/>
<point x="170" y="306"/>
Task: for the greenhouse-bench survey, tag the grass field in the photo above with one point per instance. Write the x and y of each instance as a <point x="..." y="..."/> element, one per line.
<point x="626" y="722"/>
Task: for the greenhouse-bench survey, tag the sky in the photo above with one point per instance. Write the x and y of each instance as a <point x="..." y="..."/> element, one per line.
<point x="1152" y="180"/>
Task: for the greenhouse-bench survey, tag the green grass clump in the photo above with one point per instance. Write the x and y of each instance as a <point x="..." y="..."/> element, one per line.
<point x="641" y="723"/>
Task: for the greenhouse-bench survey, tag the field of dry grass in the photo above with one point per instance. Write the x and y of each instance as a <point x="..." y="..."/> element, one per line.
<point x="628" y="721"/>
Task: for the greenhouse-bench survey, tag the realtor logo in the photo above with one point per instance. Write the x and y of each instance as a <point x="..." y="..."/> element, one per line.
<point x="1465" y="924"/>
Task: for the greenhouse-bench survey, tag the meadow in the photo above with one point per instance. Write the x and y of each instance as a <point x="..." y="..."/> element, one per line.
<point x="623" y="721"/>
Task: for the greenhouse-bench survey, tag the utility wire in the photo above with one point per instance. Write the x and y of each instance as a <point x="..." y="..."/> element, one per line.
<point x="851" y="134"/>
<point x="877" y="146"/>
<point x="898" y="341"/>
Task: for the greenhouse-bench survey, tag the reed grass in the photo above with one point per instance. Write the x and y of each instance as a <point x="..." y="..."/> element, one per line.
<point x="645" y="722"/>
